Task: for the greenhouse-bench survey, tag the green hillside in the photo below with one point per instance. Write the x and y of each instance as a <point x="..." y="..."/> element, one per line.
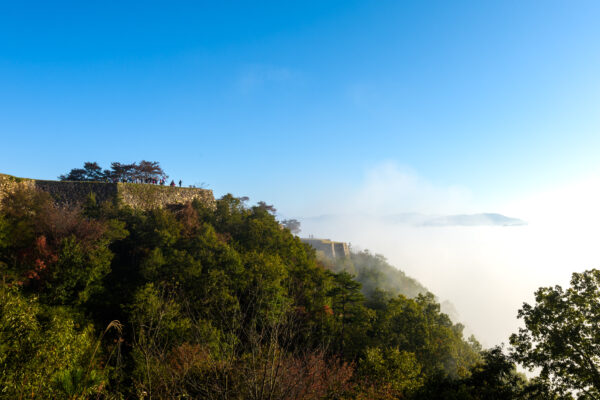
<point x="209" y="302"/>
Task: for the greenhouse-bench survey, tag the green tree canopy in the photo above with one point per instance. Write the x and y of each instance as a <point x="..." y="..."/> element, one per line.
<point x="561" y="335"/>
<point x="214" y="303"/>
<point x="91" y="171"/>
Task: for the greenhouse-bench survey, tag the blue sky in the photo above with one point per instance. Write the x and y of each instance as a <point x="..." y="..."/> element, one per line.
<point x="288" y="101"/>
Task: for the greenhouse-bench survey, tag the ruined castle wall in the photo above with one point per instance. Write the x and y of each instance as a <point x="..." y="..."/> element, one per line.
<point x="145" y="196"/>
<point x="72" y="193"/>
<point x="136" y="195"/>
<point x="325" y="247"/>
<point x="330" y="248"/>
<point x="341" y="249"/>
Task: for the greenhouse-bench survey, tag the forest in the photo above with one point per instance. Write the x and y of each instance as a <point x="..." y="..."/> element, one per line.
<point x="187" y="302"/>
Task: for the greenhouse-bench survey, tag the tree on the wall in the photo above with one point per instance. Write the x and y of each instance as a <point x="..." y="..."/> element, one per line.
<point x="145" y="171"/>
<point x="292" y="224"/>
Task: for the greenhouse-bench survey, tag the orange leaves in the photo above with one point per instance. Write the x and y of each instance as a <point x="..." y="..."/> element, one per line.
<point x="44" y="252"/>
<point x="187" y="356"/>
<point x="188" y="217"/>
<point x="37" y="232"/>
<point x="43" y="256"/>
<point x="314" y="376"/>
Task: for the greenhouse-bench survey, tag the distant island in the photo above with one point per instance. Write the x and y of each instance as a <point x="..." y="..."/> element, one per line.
<point x="417" y="219"/>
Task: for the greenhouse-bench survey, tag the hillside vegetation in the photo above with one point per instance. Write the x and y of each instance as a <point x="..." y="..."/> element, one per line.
<point x="110" y="302"/>
<point x="375" y="274"/>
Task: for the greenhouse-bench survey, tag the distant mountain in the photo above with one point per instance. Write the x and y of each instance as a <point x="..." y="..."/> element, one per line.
<point x="416" y="219"/>
<point x="483" y="219"/>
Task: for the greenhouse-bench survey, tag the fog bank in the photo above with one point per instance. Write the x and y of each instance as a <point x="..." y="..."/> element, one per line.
<point x="487" y="270"/>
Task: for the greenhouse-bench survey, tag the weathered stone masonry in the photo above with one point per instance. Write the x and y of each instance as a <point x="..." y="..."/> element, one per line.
<point x="330" y="248"/>
<point x="135" y="195"/>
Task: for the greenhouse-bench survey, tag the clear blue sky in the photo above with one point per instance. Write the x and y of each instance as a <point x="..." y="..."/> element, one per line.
<point x="277" y="100"/>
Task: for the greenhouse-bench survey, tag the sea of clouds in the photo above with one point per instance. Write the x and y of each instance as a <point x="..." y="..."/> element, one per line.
<point x="485" y="262"/>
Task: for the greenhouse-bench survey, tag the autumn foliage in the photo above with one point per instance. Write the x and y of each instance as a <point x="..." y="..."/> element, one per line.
<point x="210" y="304"/>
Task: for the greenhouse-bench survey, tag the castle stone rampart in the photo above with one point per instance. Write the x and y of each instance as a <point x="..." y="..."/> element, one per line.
<point x="136" y="195"/>
<point x="330" y="248"/>
<point x="145" y="196"/>
<point x="72" y="193"/>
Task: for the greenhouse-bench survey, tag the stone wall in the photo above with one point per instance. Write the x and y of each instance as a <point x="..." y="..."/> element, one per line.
<point x="145" y="196"/>
<point x="135" y="195"/>
<point x="341" y="249"/>
<point x="330" y="248"/>
<point x="72" y="193"/>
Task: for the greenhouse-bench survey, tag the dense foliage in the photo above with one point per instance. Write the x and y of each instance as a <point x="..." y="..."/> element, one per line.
<point x="375" y="274"/>
<point x="144" y="172"/>
<point x="191" y="302"/>
<point x="561" y="335"/>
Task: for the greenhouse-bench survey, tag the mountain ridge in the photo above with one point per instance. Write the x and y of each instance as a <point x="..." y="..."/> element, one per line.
<point x="429" y="220"/>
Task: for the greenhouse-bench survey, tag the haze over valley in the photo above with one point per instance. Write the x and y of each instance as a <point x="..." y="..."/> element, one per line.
<point x="300" y="200"/>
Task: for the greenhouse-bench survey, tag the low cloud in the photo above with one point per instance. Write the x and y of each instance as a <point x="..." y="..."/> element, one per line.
<point x="388" y="188"/>
<point x="416" y="219"/>
<point x="485" y="263"/>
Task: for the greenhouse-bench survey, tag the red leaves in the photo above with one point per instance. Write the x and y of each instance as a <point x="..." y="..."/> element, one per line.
<point x="45" y="252"/>
<point x="43" y="256"/>
<point x="59" y="223"/>
<point x="39" y="228"/>
<point x="187" y="356"/>
<point x="188" y="217"/>
<point x="313" y="376"/>
<point x="327" y="310"/>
